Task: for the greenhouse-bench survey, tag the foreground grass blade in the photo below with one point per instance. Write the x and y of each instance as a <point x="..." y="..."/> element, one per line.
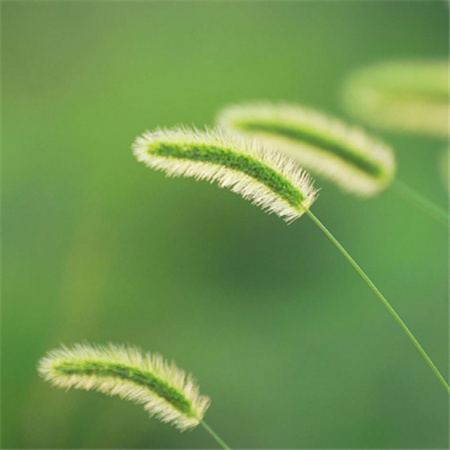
<point x="320" y="143"/>
<point x="381" y="297"/>
<point x="214" y="435"/>
<point x="255" y="172"/>
<point x="404" y="96"/>
<point x="164" y="390"/>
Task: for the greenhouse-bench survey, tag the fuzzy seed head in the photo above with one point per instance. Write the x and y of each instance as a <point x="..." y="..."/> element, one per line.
<point x="266" y="178"/>
<point x="322" y="144"/>
<point x="403" y="96"/>
<point x="165" y="391"/>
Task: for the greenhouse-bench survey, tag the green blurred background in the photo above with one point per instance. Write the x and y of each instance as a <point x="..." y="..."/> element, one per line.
<point x="278" y="329"/>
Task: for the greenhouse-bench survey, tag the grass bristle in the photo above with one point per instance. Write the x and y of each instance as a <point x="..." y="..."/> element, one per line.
<point x="165" y="391"/>
<point x="268" y="179"/>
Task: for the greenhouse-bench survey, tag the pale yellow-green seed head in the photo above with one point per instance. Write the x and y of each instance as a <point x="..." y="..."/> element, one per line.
<point x="322" y="144"/>
<point x="165" y="391"/>
<point x="265" y="177"/>
<point x="401" y="96"/>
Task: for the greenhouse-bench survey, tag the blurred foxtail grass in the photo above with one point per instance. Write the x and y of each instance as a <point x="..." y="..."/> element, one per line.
<point x="346" y="155"/>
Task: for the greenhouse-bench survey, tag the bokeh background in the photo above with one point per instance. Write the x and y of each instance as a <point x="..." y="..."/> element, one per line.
<point x="278" y="329"/>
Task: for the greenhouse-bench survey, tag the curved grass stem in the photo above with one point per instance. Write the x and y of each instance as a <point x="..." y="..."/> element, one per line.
<point x="214" y="435"/>
<point x="381" y="297"/>
<point x="434" y="211"/>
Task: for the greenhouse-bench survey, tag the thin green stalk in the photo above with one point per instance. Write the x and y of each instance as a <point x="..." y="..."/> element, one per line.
<point x="214" y="435"/>
<point x="380" y="296"/>
<point x="427" y="206"/>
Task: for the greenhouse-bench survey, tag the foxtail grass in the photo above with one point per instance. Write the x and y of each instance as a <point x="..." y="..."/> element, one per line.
<point x="402" y="96"/>
<point x="164" y="390"/>
<point x="266" y="178"/>
<point x="274" y="182"/>
<point x="322" y="144"/>
<point x="345" y="154"/>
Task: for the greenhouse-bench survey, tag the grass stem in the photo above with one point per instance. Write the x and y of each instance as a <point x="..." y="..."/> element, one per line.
<point x="381" y="297"/>
<point x="431" y="209"/>
<point x="214" y="435"/>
